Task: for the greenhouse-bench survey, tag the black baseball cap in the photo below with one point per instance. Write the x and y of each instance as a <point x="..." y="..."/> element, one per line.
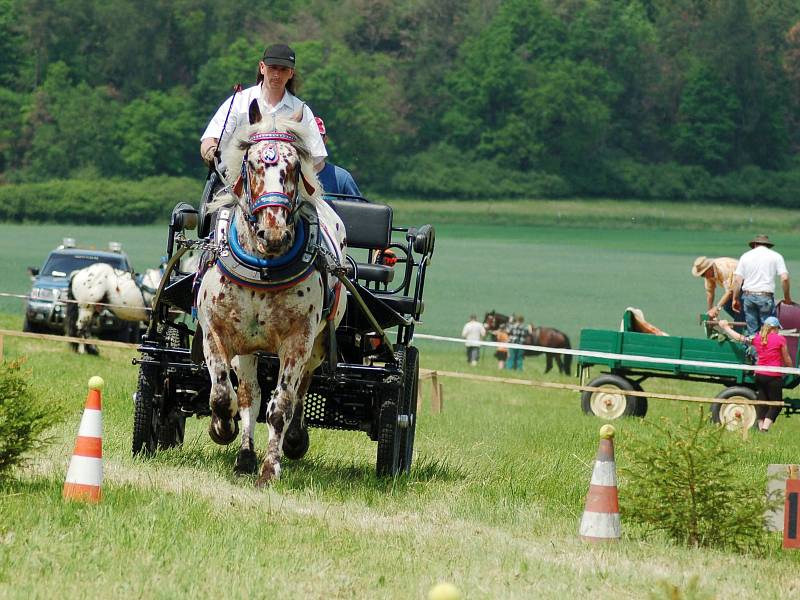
<point x="279" y="54"/>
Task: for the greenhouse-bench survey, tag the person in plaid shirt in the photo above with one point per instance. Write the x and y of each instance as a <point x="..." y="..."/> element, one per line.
<point x="518" y="333"/>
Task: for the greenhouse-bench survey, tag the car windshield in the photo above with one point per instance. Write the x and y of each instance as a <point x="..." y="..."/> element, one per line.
<point x="61" y="265"/>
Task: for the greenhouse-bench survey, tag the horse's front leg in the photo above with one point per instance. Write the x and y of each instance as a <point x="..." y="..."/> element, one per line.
<point x="222" y="399"/>
<point x="282" y="405"/>
<point x="83" y="327"/>
<point x="549" y="362"/>
<point x="249" y="396"/>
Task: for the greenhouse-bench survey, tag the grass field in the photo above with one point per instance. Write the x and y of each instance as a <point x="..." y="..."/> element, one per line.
<point x="499" y="479"/>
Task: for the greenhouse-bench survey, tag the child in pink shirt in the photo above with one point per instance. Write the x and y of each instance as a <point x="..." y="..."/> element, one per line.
<point x="770" y="347"/>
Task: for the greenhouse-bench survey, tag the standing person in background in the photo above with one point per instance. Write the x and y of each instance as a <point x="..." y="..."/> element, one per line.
<point x="518" y="334"/>
<point x="718" y="272"/>
<point x="754" y="287"/>
<point x="334" y="179"/>
<point x="501" y="354"/>
<point x="770" y="347"/>
<point x="473" y="332"/>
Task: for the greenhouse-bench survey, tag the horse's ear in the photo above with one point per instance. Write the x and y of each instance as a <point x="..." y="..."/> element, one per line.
<point x="238" y="186"/>
<point x="310" y="189"/>
<point x="254" y="113"/>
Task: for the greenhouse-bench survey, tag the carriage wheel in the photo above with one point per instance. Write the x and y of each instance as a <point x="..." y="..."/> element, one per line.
<point x="409" y="408"/>
<point x="145" y="429"/>
<point x="735" y="417"/>
<point x="171" y="424"/>
<point x="611" y="403"/>
<point x="388" y="462"/>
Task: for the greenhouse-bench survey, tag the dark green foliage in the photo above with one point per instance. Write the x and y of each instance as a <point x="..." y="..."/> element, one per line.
<point x="706" y="129"/>
<point x="685" y="480"/>
<point x="98" y="201"/>
<point x="23" y="418"/>
<point x="604" y="96"/>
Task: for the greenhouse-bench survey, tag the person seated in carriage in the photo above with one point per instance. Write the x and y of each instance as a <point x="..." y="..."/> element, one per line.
<point x="275" y="92"/>
<point x="335" y="179"/>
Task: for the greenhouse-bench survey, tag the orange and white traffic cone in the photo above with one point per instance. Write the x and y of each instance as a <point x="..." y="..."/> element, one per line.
<point x="600" y="522"/>
<point x="85" y="474"/>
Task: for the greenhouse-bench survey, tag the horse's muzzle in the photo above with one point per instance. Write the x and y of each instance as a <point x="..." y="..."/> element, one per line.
<point x="275" y="244"/>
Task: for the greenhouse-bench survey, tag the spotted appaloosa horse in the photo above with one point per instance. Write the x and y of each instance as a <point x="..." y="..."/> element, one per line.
<point x="100" y="283"/>
<point x="539" y="336"/>
<point x="239" y="319"/>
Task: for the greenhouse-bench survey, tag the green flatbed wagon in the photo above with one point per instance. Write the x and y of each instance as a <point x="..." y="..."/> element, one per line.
<point x="619" y="375"/>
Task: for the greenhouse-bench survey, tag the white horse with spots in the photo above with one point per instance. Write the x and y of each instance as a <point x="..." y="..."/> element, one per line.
<point x="265" y="292"/>
<point x="101" y="284"/>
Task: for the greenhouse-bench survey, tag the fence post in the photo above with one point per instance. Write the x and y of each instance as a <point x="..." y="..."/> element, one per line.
<point x="1" y="348"/>
<point x="436" y="398"/>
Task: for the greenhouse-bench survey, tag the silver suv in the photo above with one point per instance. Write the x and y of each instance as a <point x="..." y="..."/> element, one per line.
<point x="46" y="308"/>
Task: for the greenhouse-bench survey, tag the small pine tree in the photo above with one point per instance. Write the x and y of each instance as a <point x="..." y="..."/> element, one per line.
<point x="23" y="419"/>
<point x="685" y="480"/>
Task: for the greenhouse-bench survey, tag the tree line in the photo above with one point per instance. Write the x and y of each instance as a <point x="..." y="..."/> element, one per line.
<point x="696" y="99"/>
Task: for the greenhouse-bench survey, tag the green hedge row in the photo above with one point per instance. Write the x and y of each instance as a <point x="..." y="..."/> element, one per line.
<point x="98" y="201"/>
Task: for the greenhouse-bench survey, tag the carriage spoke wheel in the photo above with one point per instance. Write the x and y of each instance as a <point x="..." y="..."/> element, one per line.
<point x="735" y="417"/>
<point x="145" y="427"/>
<point x="388" y="462"/>
<point x="408" y="417"/>
<point x="611" y="402"/>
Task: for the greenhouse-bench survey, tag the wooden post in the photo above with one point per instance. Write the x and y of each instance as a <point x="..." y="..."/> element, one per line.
<point x="1" y="348"/>
<point x="436" y="399"/>
<point x="419" y="394"/>
<point x="441" y="397"/>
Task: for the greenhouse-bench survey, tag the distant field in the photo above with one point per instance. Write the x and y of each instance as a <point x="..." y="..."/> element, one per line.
<point x="566" y="276"/>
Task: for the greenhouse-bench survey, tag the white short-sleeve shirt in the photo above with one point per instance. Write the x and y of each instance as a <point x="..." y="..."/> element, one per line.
<point x="758" y="269"/>
<point x="288" y="105"/>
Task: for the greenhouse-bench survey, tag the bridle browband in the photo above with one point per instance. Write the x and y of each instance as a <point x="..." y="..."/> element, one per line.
<point x="270" y="156"/>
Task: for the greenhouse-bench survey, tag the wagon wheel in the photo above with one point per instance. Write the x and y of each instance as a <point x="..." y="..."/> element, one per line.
<point x="611" y="403"/>
<point x="735" y="417"/>
<point x="641" y="401"/>
<point x="388" y="462"/>
<point x="409" y="408"/>
<point x="145" y="428"/>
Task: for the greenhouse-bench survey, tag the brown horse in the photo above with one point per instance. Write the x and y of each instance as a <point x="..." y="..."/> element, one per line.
<point x="538" y="336"/>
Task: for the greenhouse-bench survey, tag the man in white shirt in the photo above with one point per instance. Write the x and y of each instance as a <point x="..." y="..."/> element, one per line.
<point x="754" y="283"/>
<point x="473" y="332"/>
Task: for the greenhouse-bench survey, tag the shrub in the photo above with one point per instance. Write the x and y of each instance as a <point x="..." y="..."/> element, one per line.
<point x="685" y="480"/>
<point x="23" y="419"/>
<point x="97" y="201"/>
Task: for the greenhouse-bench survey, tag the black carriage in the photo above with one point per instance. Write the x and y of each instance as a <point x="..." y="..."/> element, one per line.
<point x="368" y="384"/>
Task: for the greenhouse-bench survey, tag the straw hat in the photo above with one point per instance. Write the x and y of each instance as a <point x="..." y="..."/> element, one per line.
<point x="701" y="265"/>
<point x="762" y="240"/>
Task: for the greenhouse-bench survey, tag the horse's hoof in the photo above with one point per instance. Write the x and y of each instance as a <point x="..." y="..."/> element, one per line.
<point x="246" y="463"/>
<point x="295" y="443"/>
<point x="269" y="473"/>
<point x="92" y="350"/>
<point x="225" y="437"/>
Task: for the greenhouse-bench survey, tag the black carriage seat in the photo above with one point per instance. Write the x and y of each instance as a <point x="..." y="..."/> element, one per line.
<point x="368" y="226"/>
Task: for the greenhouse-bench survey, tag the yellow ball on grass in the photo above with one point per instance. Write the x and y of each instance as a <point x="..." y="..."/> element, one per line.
<point x="96" y="383"/>
<point x="444" y="591"/>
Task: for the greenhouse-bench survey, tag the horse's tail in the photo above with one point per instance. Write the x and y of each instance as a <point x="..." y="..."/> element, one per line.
<point x="71" y="317"/>
<point x="567" y="357"/>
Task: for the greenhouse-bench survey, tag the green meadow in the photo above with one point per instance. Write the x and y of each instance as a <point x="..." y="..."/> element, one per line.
<point x="496" y="491"/>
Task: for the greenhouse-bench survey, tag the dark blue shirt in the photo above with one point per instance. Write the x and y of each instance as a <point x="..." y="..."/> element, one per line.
<point x="336" y="180"/>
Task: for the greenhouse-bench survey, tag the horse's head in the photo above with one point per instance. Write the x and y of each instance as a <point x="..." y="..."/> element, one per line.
<point x="489" y="321"/>
<point x="272" y="183"/>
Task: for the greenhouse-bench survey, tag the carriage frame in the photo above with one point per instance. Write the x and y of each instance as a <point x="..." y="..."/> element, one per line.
<point x="368" y="383"/>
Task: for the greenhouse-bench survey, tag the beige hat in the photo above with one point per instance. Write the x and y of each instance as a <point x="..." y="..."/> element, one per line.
<point x="701" y="265"/>
<point x="763" y="240"/>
